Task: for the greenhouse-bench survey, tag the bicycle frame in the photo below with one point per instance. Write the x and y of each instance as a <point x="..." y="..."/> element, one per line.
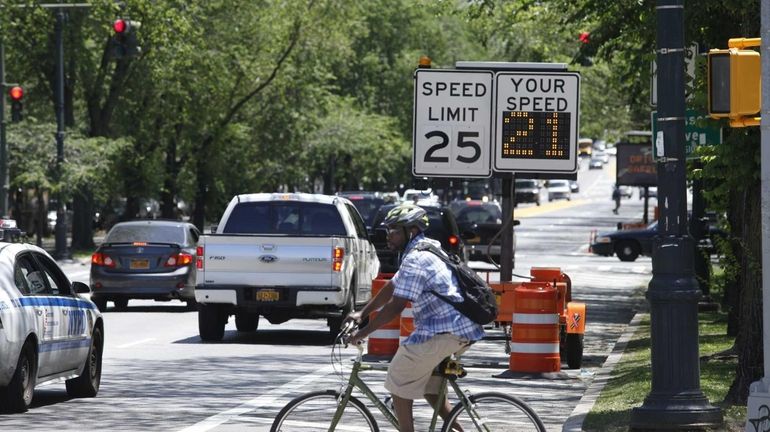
<point x="356" y="382"/>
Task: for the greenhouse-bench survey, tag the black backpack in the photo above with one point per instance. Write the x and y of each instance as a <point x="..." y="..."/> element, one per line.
<point x="479" y="303"/>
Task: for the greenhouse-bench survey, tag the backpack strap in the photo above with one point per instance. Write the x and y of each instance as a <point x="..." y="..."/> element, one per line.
<point x="428" y="247"/>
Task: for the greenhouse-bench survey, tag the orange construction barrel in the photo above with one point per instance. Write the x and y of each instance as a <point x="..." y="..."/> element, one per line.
<point x="535" y="329"/>
<point x="383" y="341"/>
<point x="407" y="322"/>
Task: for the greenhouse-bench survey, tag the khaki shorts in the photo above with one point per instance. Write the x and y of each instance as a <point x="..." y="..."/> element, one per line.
<point x="410" y="371"/>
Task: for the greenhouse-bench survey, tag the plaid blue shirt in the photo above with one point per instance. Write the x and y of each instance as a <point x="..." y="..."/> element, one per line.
<point x="420" y="273"/>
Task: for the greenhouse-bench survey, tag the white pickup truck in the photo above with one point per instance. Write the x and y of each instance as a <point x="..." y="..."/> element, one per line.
<point x="283" y="256"/>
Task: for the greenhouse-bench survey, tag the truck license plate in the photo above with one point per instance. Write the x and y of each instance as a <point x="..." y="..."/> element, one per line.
<point x="268" y="295"/>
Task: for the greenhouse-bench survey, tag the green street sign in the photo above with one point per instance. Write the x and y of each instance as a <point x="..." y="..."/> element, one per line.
<point x="699" y="129"/>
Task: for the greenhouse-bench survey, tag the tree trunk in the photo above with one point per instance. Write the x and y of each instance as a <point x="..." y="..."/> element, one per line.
<point x="749" y="340"/>
<point x="736" y="215"/>
<point x="199" y="212"/>
<point x="82" y="220"/>
<point x="169" y="191"/>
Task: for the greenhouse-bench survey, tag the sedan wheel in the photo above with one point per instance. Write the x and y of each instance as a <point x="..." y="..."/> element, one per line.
<point x="627" y="251"/>
<point x="87" y="384"/>
<point x="17" y="396"/>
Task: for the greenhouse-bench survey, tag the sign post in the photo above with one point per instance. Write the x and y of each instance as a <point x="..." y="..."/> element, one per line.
<point x="452" y="123"/>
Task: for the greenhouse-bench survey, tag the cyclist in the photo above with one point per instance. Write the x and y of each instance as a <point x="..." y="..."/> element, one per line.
<point x="440" y="330"/>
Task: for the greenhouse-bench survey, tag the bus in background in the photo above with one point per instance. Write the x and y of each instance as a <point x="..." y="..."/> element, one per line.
<point x="584" y="146"/>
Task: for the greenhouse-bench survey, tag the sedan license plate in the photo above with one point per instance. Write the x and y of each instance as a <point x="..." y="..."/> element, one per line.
<point x="139" y="264"/>
<point x="268" y="295"/>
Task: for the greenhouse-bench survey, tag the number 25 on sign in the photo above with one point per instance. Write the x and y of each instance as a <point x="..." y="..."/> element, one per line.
<point x="452" y="123"/>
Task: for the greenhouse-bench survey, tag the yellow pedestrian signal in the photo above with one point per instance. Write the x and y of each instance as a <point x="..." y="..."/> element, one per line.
<point x="734" y="83"/>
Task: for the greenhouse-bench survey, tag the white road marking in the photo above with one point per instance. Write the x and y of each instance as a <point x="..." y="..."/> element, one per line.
<point x="259" y="402"/>
<point x="136" y="343"/>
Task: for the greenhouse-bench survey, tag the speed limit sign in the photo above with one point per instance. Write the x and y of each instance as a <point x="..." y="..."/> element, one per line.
<point x="452" y="123"/>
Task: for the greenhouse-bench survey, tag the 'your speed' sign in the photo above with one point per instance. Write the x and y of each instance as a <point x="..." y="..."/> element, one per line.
<point x="452" y="123"/>
<point x="536" y="121"/>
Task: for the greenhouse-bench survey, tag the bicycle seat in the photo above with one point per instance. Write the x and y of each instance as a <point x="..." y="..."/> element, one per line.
<point x="450" y="368"/>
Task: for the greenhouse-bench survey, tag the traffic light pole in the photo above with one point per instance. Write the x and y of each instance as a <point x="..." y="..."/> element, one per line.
<point x="61" y="219"/>
<point x="675" y="400"/>
<point x="3" y="143"/>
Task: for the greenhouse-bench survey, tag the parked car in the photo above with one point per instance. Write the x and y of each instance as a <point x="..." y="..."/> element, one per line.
<point x="484" y="220"/>
<point x="442" y="226"/>
<point x="626" y="191"/>
<point x="558" y="189"/>
<point x="47" y="331"/>
<point x="574" y="187"/>
<point x="414" y="195"/>
<point x="145" y="259"/>
<point x="629" y="244"/>
<point x="367" y="204"/>
<point x="595" y="163"/>
<point x="526" y="191"/>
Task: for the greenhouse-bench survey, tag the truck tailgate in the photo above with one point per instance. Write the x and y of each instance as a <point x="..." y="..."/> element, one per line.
<point x="268" y="261"/>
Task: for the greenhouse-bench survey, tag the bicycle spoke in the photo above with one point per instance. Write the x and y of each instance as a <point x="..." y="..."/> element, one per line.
<point x="314" y="413"/>
<point x="496" y="413"/>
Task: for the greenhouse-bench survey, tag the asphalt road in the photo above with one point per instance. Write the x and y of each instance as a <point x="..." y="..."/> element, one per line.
<point x="158" y="375"/>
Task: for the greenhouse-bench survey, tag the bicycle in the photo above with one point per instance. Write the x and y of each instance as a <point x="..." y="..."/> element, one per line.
<point x="330" y="410"/>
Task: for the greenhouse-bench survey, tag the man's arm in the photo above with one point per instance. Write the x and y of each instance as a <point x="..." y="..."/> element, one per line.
<point x="391" y="310"/>
<point x="375" y="303"/>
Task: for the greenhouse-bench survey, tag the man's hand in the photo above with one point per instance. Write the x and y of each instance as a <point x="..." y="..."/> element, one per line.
<point x="357" y="337"/>
<point x="354" y="316"/>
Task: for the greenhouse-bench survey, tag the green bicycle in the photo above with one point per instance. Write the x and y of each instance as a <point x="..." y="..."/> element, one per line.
<point x="332" y="410"/>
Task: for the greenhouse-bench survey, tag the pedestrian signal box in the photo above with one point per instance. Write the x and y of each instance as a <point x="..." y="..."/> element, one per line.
<point x="734" y="79"/>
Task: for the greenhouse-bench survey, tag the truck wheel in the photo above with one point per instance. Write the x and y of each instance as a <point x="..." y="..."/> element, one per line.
<point x="335" y="324"/>
<point x="574" y="350"/>
<point x="211" y="323"/>
<point x="246" y="322"/>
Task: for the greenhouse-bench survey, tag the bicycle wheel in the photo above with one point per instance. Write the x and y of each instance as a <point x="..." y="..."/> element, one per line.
<point x="494" y="412"/>
<point x="313" y="412"/>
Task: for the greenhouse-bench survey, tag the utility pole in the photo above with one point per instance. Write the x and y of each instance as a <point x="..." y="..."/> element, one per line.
<point x="61" y="216"/>
<point x="759" y="391"/>
<point x="675" y="400"/>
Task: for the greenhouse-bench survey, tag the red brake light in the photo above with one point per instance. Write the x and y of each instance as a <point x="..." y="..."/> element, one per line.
<point x="453" y="240"/>
<point x="199" y="257"/>
<point x="337" y="255"/>
<point x="101" y="259"/>
<point x="179" y="260"/>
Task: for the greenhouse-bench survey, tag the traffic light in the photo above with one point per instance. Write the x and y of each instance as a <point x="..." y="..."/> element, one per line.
<point x="734" y="83"/>
<point x="124" y="42"/>
<point x="17" y="94"/>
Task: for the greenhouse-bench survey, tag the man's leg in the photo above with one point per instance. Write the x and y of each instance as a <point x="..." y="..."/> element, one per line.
<point x="443" y="408"/>
<point x="403" y="409"/>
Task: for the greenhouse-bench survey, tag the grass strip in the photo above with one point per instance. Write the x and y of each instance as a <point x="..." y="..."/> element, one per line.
<point x="631" y="379"/>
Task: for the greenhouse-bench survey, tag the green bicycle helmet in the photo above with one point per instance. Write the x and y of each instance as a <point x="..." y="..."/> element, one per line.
<point x="406" y="216"/>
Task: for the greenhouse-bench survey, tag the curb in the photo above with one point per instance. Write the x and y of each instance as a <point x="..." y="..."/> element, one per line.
<point x="575" y="421"/>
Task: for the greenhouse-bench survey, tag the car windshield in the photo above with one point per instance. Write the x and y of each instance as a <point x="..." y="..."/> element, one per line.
<point x="285" y="217"/>
<point x="146" y="233"/>
<point x="479" y="214"/>
<point x="557" y="183"/>
<point x="367" y="207"/>
<point x="524" y="184"/>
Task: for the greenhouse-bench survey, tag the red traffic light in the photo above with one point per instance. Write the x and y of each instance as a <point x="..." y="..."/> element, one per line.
<point x="585" y="37"/>
<point x="120" y="25"/>
<point x="16" y="93"/>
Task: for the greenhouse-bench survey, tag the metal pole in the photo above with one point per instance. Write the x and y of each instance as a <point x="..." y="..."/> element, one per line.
<point x="675" y="400"/>
<point x="3" y="141"/>
<point x="759" y="391"/>
<point x="61" y="222"/>
<point x="506" y="245"/>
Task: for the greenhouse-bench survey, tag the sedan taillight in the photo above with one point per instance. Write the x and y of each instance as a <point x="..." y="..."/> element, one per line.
<point x="179" y="260"/>
<point x="101" y="259"/>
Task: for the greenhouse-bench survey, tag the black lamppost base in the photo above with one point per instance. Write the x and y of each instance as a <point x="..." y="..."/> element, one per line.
<point x="676" y="412"/>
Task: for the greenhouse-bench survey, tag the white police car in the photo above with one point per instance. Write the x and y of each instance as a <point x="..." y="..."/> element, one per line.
<point x="47" y="331"/>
